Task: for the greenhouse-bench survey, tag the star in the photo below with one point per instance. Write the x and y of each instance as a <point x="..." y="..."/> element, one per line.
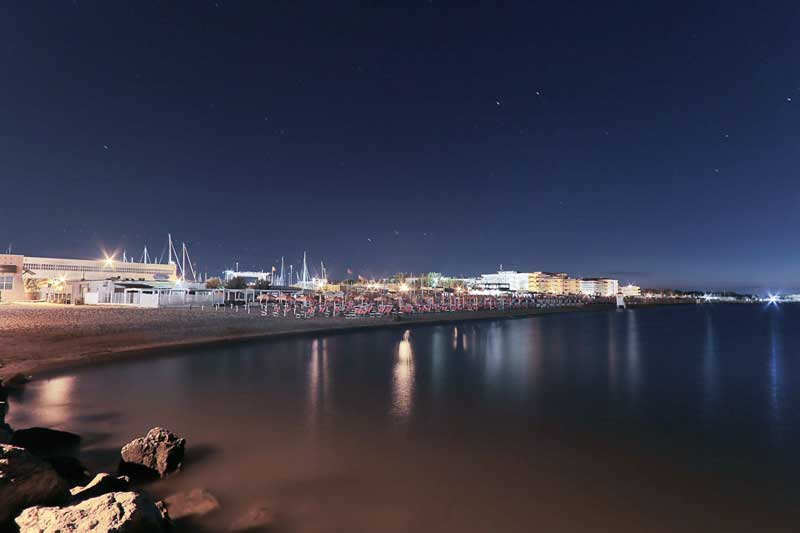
<point x="497" y="102"/>
<point x="538" y="93"/>
<point x="788" y="98"/>
<point x="105" y="146"/>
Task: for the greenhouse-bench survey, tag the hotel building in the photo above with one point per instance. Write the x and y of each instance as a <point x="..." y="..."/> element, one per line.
<point x="516" y="281"/>
<point x="630" y="290"/>
<point x="599" y="287"/>
<point x="556" y="283"/>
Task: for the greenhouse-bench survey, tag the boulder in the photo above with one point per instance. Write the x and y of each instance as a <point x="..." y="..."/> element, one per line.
<point x="5" y="433"/>
<point x="160" y="452"/>
<point x="26" y="480"/>
<point x="101" y="484"/>
<point x="197" y="502"/>
<point x="255" y="519"/>
<point x="13" y="383"/>
<point x="70" y="468"/>
<point x="116" y="512"/>
<point x="46" y="442"/>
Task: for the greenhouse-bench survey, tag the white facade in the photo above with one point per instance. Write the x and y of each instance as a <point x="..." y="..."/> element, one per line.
<point x="599" y="287"/>
<point x="95" y="269"/>
<point x="249" y="275"/>
<point x="631" y="290"/>
<point x="24" y="277"/>
<point x="516" y="281"/>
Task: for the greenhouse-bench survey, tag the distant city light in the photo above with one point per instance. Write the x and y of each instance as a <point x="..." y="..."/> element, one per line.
<point x="773" y="299"/>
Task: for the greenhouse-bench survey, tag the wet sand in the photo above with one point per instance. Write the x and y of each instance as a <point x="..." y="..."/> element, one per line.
<point x="39" y="337"/>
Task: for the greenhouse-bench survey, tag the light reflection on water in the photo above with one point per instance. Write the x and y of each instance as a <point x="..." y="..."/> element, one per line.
<point x="710" y="369"/>
<point x="403" y="385"/>
<point x="775" y="378"/>
<point x="634" y="357"/>
<point x="646" y="410"/>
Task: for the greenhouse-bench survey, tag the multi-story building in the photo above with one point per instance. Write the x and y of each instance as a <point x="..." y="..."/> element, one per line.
<point x="556" y="283"/>
<point x="572" y="286"/>
<point x="630" y="290"/>
<point x="599" y="286"/>
<point x="516" y="281"/>
<point x="546" y="282"/>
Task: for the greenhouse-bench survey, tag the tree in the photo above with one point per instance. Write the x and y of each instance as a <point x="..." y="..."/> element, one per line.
<point x="262" y="285"/>
<point x="213" y="283"/>
<point x="236" y="283"/>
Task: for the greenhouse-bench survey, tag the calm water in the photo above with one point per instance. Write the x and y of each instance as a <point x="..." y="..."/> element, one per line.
<point x="664" y="419"/>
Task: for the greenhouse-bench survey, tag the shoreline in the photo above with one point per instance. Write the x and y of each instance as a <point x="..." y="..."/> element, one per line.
<point x="74" y="345"/>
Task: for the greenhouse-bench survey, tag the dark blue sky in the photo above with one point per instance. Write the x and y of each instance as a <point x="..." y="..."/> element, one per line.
<point x="655" y="142"/>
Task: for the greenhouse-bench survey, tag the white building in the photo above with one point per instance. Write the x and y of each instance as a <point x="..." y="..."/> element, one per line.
<point x="22" y="276"/>
<point x="250" y="276"/>
<point x="515" y="281"/>
<point x="631" y="290"/>
<point x="599" y="287"/>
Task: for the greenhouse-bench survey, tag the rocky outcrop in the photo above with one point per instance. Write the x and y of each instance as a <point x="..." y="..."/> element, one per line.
<point x="71" y="469"/>
<point x="46" y="442"/>
<point x="116" y="512"/>
<point x="5" y="433"/>
<point x="26" y="480"/>
<point x="12" y="384"/>
<point x="256" y="519"/>
<point x="101" y="484"/>
<point x="5" y="430"/>
<point x="197" y="502"/>
<point x="160" y="453"/>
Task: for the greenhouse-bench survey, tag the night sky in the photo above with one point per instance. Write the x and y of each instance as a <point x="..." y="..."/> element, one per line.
<point x="658" y="143"/>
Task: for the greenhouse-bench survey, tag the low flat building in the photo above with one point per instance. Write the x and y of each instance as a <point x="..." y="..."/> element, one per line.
<point x="21" y="276"/>
<point x="12" y="286"/>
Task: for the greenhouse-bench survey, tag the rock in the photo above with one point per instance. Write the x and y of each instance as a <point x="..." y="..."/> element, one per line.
<point x="5" y="429"/>
<point x="70" y="468"/>
<point x="255" y="519"/>
<point x="5" y="433"/>
<point x="13" y="383"/>
<point x="46" y="442"/>
<point x="118" y="512"/>
<point x="159" y="452"/>
<point x="197" y="502"/>
<point x="26" y="480"/>
<point x="101" y="484"/>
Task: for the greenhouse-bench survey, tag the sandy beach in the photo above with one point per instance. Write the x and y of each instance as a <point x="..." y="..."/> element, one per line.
<point x="38" y="337"/>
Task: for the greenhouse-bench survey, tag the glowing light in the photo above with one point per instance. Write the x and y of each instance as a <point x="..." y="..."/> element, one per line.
<point x="773" y="299"/>
<point x="707" y="297"/>
<point x="109" y="262"/>
<point x="403" y="288"/>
